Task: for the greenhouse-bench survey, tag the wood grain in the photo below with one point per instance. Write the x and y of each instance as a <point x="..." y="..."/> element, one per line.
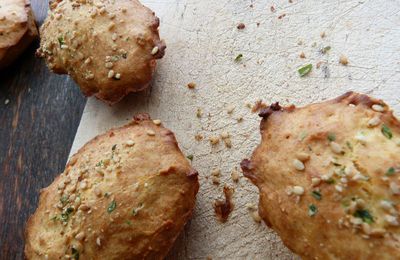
<point x="38" y="126"/>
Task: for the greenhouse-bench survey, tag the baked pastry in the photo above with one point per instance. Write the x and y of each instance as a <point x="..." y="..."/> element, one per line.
<point x="109" y="47"/>
<point x="17" y="29"/>
<point x="126" y="194"/>
<point x="328" y="176"/>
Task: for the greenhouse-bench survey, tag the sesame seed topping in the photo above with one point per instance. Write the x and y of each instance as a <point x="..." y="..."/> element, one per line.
<point x="339" y="188"/>
<point x="154" y="50"/>
<point x="336" y="148"/>
<point x="378" y="108"/>
<point x="151" y="133"/>
<point x="298" y="165"/>
<point x="157" y="122"/>
<point x="391" y="220"/>
<point x="374" y="121"/>
<point x="394" y="188"/>
<point x="88" y="60"/>
<point x="114" y="36"/>
<point x="315" y="181"/>
<point x="98" y="241"/>
<point x="302" y="156"/>
<point x="387" y="205"/>
<point x="6" y="101"/>
<point x="130" y="143"/>
<point x="80" y="236"/>
<point x="298" y="190"/>
<point x="117" y="76"/>
<point x="110" y="74"/>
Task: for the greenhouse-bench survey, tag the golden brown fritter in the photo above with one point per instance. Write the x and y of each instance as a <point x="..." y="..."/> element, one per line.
<point x="109" y="47"/>
<point x="126" y="194"/>
<point x="328" y="176"/>
<point x="17" y="29"/>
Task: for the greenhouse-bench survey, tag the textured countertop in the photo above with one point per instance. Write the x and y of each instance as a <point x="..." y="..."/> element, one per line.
<point x="202" y="43"/>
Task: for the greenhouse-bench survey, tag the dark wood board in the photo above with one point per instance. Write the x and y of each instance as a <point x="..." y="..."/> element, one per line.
<point x="38" y="126"/>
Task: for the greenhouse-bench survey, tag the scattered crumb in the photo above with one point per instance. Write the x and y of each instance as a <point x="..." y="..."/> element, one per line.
<point x="216" y="172"/>
<point x="191" y="85"/>
<point x="302" y="55"/>
<point x="313" y="44"/>
<point x="258" y="106"/>
<point x="290" y="1"/>
<point x="299" y="42"/>
<point x="198" y="137"/>
<point x="209" y="258"/>
<point x="199" y="113"/>
<point x="251" y="6"/>
<point x="215" y="180"/>
<point x="235" y="175"/>
<point x="343" y="60"/>
<point x="239" y="119"/>
<point x="227" y="140"/>
<point x="258" y="24"/>
<point x="319" y="63"/>
<point x="256" y="217"/>
<point x="323" y="35"/>
<point x="251" y="206"/>
<point x="272" y="9"/>
<point x="214" y="140"/>
<point x="6" y="101"/>
<point x="281" y="16"/>
<point x="230" y="109"/>
<point x="223" y="208"/>
<point x="248" y="105"/>
<point x="241" y="26"/>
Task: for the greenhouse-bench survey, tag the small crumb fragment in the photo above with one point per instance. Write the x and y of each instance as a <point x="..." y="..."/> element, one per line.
<point x="151" y="133"/>
<point x="157" y="121"/>
<point x="216" y="172"/>
<point x="191" y="85"/>
<point x="199" y="113"/>
<point x="235" y="175"/>
<point x="215" y="180"/>
<point x="198" y="137"/>
<point x="343" y="60"/>
<point x="154" y="50"/>
<point x="272" y="8"/>
<point x="323" y="35"/>
<point x="256" y="217"/>
<point x="214" y="140"/>
<point x="230" y="109"/>
<point x="302" y="55"/>
<point x="281" y="16"/>
<point x="223" y="208"/>
<point x="298" y="165"/>
<point x="258" y="106"/>
<point x="241" y="26"/>
<point x="239" y="119"/>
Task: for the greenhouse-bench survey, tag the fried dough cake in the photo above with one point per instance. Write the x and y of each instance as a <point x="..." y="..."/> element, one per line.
<point x="126" y="194"/>
<point x="328" y="177"/>
<point x="109" y="47"/>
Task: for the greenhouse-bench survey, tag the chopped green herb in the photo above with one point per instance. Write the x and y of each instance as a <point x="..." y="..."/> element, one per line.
<point x="239" y="57"/>
<point x="364" y="215"/>
<point x="64" y="200"/>
<point x="114" y="147"/>
<point x="336" y="164"/>
<point x="128" y="222"/>
<point x="387" y="132"/>
<point x="316" y="194"/>
<point x="61" y="40"/>
<point x="65" y="215"/>
<point x="135" y="211"/>
<point x="124" y="55"/>
<point x="303" y="71"/>
<point x="325" y="49"/>
<point x="115" y="58"/>
<point x="390" y="171"/>
<point x="100" y="164"/>
<point x="312" y="210"/>
<point x="331" y="137"/>
<point x="330" y="181"/>
<point x="190" y="157"/>
<point x="55" y="217"/>
<point x="112" y="206"/>
<point x="74" y="254"/>
<point x="303" y="135"/>
<point x="106" y="194"/>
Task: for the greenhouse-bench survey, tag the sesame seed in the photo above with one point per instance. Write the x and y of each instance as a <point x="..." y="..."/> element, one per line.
<point x="336" y="148"/>
<point x="84" y="207"/>
<point x="358" y="176"/>
<point x="391" y="220"/>
<point x="80" y="236"/>
<point x="98" y="241"/>
<point x="64" y="47"/>
<point x="6" y="101"/>
<point x="302" y="156"/>
<point x="88" y="60"/>
<point x="339" y="188"/>
<point x="154" y="50"/>
<point x="387" y="205"/>
<point x="378" y="108"/>
<point x="361" y="138"/>
<point x="343" y="60"/>
<point x="117" y="76"/>
<point x="130" y="143"/>
<point x="298" y="165"/>
<point x="111" y="74"/>
<point x="298" y="190"/>
<point x="315" y="181"/>
<point x="109" y="65"/>
<point x="157" y="122"/>
<point x="374" y="121"/>
<point x="151" y="133"/>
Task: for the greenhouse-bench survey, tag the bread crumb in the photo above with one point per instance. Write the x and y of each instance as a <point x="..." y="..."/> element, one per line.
<point x="323" y="35"/>
<point x="199" y="113"/>
<point x="241" y="26"/>
<point x="215" y="180"/>
<point x="198" y="137"/>
<point x="343" y="60"/>
<point x="191" y="85"/>
<point x="223" y="208"/>
<point x="6" y="102"/>
<point x="235" y="175"/>
<point x="239" y="119"/>
<point x="216" y="172"/>
<point x="258" y="106"/>
<point x="230" y="109"/>
<point x="302" y="55"/>
<point x="272" y="8"/>
<point x="256" y="217"/>
<point x="214" y="140"/>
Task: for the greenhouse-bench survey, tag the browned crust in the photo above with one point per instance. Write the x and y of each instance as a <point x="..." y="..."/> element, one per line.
<point x="279" y="145"/>
<point x="174" y="182"/>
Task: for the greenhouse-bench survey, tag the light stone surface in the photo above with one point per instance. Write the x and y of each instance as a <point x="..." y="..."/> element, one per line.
<point x="202" y="43"/>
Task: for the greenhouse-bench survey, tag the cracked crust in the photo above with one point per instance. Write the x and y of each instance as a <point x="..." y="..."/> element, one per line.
<point x="328" y="177"/>
<point x="108" y="47"/>
<point x="126" y="194"/>
<point x="17" y="29"/>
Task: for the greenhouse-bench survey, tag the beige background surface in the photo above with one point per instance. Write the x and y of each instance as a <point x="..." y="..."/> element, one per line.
<point x="202" y="42"/>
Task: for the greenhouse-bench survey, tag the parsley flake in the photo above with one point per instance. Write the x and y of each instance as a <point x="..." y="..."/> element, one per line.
<point x="190" y="157"/>
<point x="114" y="147"/>
<point x="387" y="132"/>
<point x="325" y="49"/>
<point x="61" y="40"/>
<point x="390" y="171"/>
<point x="135" y="211"/>
<point x="330" y="181"/>
<point x="316" y="194"/>
<point x="303" y="71"/>
<point x="64" y="200"/>
<point x="112" y="206"/>
<point x="364" y="215"/>
<point x="312" y="210"/>
<point x="331" y="137"/>
<point x="65" y="215"/>
<point x="239" y="57"/>
<point x="74" y="254"/>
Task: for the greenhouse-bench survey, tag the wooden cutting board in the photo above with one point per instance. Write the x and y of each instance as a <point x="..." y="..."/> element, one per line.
<point x="202" y="44"/>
